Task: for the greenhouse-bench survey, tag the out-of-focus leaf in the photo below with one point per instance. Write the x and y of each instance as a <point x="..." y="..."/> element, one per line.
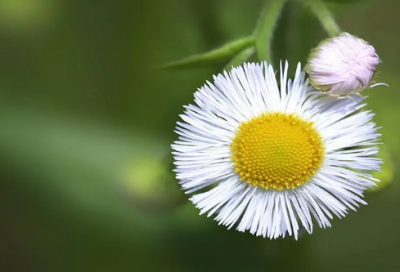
<point x="23" y="15"/>
<point x="217" y="55"/>
<point x="346" y="1"/>
<point x="82" y="163"/>
<point x="149" y="184"/>
<point x="387" y="169"/>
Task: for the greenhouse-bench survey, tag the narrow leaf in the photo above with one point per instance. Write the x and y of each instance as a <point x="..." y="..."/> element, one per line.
<point x="201" y="60"/>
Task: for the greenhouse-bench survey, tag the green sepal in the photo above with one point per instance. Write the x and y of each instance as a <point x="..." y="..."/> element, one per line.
<point x="217" y="55"/>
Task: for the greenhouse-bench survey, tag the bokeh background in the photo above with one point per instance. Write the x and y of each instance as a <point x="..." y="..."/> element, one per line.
<point x="86" y="121"/>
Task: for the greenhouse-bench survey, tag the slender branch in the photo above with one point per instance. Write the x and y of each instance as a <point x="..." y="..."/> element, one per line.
<point x="325" y="17"/>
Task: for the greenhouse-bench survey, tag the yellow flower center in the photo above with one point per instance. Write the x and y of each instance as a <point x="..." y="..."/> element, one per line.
<point x="276" y="150"/>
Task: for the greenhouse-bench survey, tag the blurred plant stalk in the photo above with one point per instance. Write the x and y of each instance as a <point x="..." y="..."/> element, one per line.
<point x="83" y="159"/>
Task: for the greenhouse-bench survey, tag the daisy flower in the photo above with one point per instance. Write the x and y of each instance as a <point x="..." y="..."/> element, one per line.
<point x="271" y="158"/>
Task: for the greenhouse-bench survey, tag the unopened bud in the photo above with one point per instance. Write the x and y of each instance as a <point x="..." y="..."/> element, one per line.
<point x="342" y="65"/>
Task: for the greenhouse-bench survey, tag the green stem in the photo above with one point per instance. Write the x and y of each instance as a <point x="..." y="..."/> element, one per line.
<point x="239" y="58"/>
<point x="325" y="17"/>
<point x="265" y="28"/>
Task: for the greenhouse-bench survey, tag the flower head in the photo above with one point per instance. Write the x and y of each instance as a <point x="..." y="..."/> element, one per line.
<point x="342" y="65"/>
<point x="270" y="158"/>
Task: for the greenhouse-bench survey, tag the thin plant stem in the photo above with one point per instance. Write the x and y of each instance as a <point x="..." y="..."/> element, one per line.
<point x="240" y="58"/>
<point x="325" y="17"/>
<point x="265" y="28"/>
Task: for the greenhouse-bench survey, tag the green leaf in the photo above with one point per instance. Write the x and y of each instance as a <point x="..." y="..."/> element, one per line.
<point x="217" y="55"/>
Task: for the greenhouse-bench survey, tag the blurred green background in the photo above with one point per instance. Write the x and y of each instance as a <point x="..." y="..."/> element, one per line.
<point x="86" y="124"/>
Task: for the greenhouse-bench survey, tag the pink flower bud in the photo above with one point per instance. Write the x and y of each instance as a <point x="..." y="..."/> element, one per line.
<point x="342" y="65"/>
